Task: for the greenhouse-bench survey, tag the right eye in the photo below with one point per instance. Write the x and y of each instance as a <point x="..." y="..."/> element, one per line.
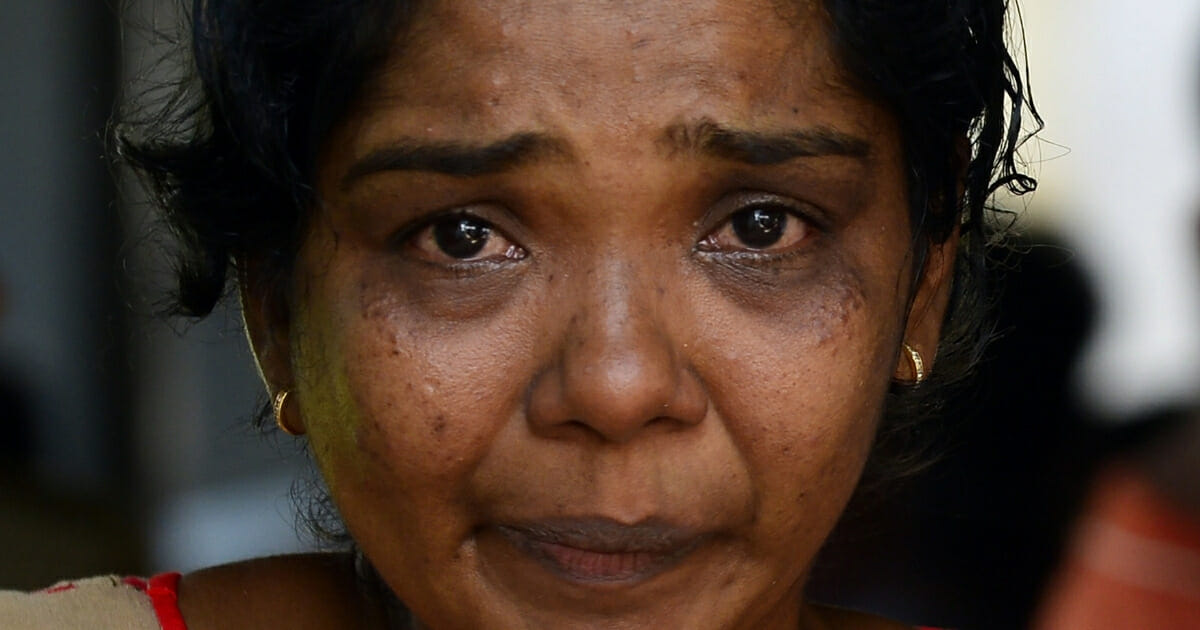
<point x="463" y="238"/>
<point x="766" y="228"/>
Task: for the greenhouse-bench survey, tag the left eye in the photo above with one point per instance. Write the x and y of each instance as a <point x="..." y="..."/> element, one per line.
<point x="760" y="228"/>
<point x="463" y="238"/>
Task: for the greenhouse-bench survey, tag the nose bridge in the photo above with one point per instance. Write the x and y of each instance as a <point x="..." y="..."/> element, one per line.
<point x="616" y="327"/>
<point x="618" y="370"/>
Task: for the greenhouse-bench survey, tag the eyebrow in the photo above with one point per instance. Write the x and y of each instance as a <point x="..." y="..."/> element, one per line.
<point x="457" y="158"/>
<point x="762" y="148"/>
<point x="461" y="159"/>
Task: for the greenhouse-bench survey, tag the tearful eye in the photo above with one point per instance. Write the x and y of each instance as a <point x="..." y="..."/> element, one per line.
<point x="461" y="237"/>
<point x="761" y="228"/>
<point x="464" y="238"/>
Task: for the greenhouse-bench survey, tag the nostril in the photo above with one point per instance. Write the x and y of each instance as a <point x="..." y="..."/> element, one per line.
<point x="603" y="431"/>
<point x="579" y="426"/>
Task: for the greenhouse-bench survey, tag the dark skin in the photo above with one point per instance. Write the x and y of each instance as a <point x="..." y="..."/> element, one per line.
<point x="594" y="323"/>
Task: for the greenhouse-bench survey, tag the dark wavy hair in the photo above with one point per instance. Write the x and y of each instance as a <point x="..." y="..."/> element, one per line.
<point x="229" y="156"/>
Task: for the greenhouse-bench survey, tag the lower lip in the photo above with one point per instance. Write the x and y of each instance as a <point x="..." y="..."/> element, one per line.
<point x="596" y="567"/>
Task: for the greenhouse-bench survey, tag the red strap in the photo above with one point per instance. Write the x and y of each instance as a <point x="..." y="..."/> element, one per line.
<point x="163" y="591"/>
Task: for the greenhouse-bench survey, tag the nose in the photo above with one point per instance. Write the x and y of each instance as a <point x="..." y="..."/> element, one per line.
<point x="618" y="371"/>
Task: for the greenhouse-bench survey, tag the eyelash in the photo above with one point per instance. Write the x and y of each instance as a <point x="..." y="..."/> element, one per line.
<point x="742" y="203"/>
<point x="807" y="217"/>
<point x="409" y="238"/>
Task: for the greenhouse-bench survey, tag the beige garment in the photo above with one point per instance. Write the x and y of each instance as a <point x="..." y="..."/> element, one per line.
<point x="102" y="603"/>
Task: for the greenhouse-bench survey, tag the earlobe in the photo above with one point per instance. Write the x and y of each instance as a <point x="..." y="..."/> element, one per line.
<point x="923" y="330"/>
<point x="266" y="316"/>
<point x="918" y="351"/>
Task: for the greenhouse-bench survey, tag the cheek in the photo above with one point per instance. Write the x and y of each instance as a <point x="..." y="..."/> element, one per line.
<point x="402" y="402"/>
<point x="812" y="370"/>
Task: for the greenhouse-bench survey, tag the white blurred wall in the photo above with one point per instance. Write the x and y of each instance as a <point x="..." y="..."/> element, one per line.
<point x="1119" y="163"/>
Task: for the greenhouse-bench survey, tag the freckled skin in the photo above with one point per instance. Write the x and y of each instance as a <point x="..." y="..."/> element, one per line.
<point x="617" y="369"/>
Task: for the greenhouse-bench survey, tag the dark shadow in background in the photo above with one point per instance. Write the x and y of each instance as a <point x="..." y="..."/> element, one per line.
<point x="68" y="491"/>
<point x="971" y="542"/>
<point x="974" y="543"/>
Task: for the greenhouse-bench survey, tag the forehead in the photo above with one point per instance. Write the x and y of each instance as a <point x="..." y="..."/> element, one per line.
<point x="483" y="66"/>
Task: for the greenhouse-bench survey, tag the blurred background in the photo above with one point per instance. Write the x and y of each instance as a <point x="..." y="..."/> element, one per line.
<point x="126" y="442"/>
<point x="126" y="438"/>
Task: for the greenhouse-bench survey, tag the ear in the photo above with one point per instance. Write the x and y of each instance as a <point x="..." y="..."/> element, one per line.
<point x="267" y="316"/>
<point x="928" y="308"/>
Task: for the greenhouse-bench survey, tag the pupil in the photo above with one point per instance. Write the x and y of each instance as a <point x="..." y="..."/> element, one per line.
<point x="759" y="228"/>
<point x="461" y="237"/>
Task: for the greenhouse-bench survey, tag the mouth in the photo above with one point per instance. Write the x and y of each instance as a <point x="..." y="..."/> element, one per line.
<point x="600" y="550"/>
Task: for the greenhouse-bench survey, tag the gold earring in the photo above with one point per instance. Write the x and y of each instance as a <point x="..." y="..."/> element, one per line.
<point x="918" y="364"/>
<point x="277" y="406"/>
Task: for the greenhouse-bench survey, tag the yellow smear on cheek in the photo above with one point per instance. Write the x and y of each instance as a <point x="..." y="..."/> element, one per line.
<point x="333" y="429"/>
<point x="326" y="395"/>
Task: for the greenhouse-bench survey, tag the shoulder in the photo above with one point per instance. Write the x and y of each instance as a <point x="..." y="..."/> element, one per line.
<point x="301" y="592"/>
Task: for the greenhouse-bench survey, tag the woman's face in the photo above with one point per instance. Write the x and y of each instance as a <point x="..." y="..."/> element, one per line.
<point x="594" y="324"/>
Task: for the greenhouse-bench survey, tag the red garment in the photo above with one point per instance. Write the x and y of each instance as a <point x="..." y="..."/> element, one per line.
<point x="163" y="591"/>
<point x="1134" y="562"/>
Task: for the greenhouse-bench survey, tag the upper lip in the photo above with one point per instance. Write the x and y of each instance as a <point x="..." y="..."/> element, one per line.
<point x="605" y="535"/>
